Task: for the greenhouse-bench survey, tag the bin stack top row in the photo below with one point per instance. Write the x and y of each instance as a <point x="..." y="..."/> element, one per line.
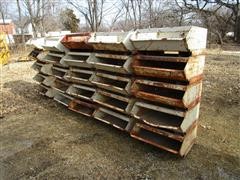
<point x="181" y="39"/>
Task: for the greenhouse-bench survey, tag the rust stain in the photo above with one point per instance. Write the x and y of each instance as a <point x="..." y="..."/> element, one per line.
<point x="159" y="72"/>
<point x="161" y="99"/>
<point x="161" y="58"/>
<point x="77" y="41"/>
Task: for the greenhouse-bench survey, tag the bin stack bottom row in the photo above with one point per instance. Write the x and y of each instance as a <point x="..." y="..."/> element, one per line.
<point x="159" y="105"/>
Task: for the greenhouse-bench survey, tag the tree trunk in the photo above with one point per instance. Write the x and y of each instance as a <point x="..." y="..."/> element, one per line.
<point x="220" y="39"/>
<point x="21" y="25"/>
<point x="237" y="29"/>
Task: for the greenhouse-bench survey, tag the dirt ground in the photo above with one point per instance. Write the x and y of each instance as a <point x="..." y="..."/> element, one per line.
<point x="40" y="139"/>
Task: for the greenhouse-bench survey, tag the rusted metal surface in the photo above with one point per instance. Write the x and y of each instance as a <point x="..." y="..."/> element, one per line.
<point x="112" y="63"/>
<point x="113" y="101"/>
<point x="112" y="83"/>
<point x="60" y="85"/>
<point x="178" y="68"/>
<point x="185" y="38"/>
<point x="117" y="120"/>
<point x="166" y="117"/>
<point x="39" y="77"/>
<point x="77" y="41"/>
<point x="172" y="142"/>
<point x="111" y="41"/>
<point x="81" y="91"/>
<point x="78" y="59"/>
<point x="79" y="76"/>
<point x="63" y="99"/>
<point x="82" y="107"/>
<point x="178" y="95"/>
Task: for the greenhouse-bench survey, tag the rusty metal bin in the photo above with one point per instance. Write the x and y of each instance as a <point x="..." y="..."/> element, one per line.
<point x="62" y="98"/>
<point x="161" y="116"/>
<point x="77" y="41"/>
<point x="81" y="91"/>
<point x="79" y="76"/>
<point x="39" y="77"/>
<point x="113" y="101"/>
<point x="182" y="39"/>
<point x="112" y="83"/>
<point x="111" y="41"/>
<point x="82" y="107"/>
<point x="170" y="67"/>
<point x="174" y="94"/>
<point x="60" y="85"/>
<point x="116" y="119"/>
<point x="112" y="62"/>
<point x="169" y="141"/>
<point x="78" y="59"/>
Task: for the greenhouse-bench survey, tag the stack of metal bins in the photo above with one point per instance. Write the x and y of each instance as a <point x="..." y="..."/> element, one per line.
<point x="112" y="61"/>
<point x="147" y="82"/>
<point x="51" y="71"/>
<point x="80" y="92"/>
<point x="168" y="67"/>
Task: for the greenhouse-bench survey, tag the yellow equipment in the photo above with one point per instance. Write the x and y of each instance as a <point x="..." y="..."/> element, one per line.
<point x="4" y="51"/>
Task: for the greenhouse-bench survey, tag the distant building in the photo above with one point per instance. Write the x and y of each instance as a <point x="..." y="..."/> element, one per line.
<point x="7" y="26"/>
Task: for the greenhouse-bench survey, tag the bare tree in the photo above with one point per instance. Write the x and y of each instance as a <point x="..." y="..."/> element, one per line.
<point x="213" y="9"/>
<point x="133" y="12"/>
<point x="20" y="20"/>
<point x="149" y="13"/>
<point x="33" y="8"/>
<point x="92" y="10"/>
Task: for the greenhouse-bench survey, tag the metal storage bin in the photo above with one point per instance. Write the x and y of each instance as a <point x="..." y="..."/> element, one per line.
<point x="115" y="119"/>
<point x="78" y="59"/>
<point x="79" y="76"/>
<point x="175" y="143"/>
<point x="82" y="107"/>
<point x="112" y="41"/>
<point x="112" y="83"/>
<point x="77" y="41"/>
<point x="113" y="101"/>
<point x="60" y="85"/>
<point x="63" y="98"/>
<point x="81" y="91"/>
<point x="39" y="77"/>
<point x="170" y="67"/>
<point x="181" y="39"/>
<point x="178" y="120"/>
<point x="174" y="94"/>
<point x="112" y="63"/>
